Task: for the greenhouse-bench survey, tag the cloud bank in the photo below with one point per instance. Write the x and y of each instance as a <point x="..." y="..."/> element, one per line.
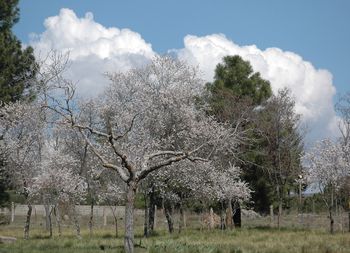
<point x="312" y="88"/>
<point x="95" y="49"/>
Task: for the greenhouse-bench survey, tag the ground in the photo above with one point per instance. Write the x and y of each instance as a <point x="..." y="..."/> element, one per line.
<point x="257" y="236"/>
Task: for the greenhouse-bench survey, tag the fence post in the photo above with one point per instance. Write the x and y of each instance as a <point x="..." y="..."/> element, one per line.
<point x="12" y="212"/>
<point x="271" y="214"/>
<point x="155" y="217"/>
<point x="104" y="216"/>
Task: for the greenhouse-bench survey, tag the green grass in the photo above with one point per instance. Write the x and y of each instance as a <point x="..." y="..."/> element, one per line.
<point x="246" y="240"/>
<point x="256" y="237"/>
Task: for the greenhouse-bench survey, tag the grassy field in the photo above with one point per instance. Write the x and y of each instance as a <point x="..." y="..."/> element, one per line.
<point x="247" y="240"/>
<point x="256" y="236"/>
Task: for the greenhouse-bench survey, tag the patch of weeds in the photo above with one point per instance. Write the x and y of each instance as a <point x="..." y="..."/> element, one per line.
<point x="107" y="236"/>
<point x="68" y="244"/>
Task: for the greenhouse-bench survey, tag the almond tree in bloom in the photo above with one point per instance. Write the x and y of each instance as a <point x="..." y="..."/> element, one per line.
<point x="208" y="182"/>
<point x="343" y="109"/>
<point x="229" y="189"/>
<point x="146" y="120"/>
<point x="57" y="182"/>
<point x="21" y="130"/>
<point x="327" y="168"/>
<point x="87" y="165"/>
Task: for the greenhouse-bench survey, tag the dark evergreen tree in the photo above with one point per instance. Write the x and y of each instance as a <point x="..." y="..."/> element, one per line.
<point x="17" y="65"/>
<point x="234" y="94"/>
<point x="17" y="68"/>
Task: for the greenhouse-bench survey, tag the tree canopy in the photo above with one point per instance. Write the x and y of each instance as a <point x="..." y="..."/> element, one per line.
<point x="17" y="64"/>
<point x="235" y="76"/>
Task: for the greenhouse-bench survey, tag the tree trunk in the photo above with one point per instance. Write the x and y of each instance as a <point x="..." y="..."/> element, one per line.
<point x="211" y="218"/>
<point x="182" y="221"/>
<point x="116" y="226"/>
<point x="271" y="216"/>
<point x="279" y="215"/>
<point x="115" y="217"/>
<point x="76" y="222"/>
<point x="222" y="216"/>
<point x="237" y="216"/>
<point x="129" y="218"/>
<point x="27" y="223"/>
<point x="151" y="212"/>
<point x="146" y="226"/>
<point x="47" y="216"/>
<point x="229" y="215"/>
<point x="58" y="220"/>
<point x="331" y="220"/>
<point x="168" y="209"/>
<point x="91" y="220"/>
<point x="349" y="220"/>
<point x="49" y="220"/>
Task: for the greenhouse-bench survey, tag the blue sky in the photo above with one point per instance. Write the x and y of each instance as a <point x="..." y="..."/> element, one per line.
<point x="316" y="30"/>
<point x="303" y="45"/>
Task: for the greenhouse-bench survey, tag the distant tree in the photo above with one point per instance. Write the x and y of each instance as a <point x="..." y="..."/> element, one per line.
<point x="328" y="168"/>
<point x="343" y="109"/>
<point x="57" y="182"/>
<point x="21" y="126"/>
<point x="233" y="95"/>
<point x="280" y="126"/>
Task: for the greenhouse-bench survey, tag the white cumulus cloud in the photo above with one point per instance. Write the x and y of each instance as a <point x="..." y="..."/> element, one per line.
<point x="312" y="88"/>
<point x="93" y="48"/>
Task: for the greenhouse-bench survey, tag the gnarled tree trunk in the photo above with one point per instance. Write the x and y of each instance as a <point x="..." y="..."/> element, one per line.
<point x="146" y="226"/>
<point x="91" y="219"/>
<point x="58" y="220"/>
<point x="222" y="216"/>
<point x="331" y="220"/>
<point x="168" y="209"/>
<point x="47" y="216"/>
<point x="151" y="211"/>
<point x="237" y="216"/>
<point x="129" y="218"/>
<point x="76" y="222"/>
<point x="182" y="221"/>
<point x="27" y="223"/>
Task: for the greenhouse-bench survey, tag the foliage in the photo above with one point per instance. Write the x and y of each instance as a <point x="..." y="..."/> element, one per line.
<point x="233" y="96"/>
<point x="56" y="181"/>
<point x="328" y="168"/>
<point x="17" y="65"/>
<point x="22" y="130"/>
<point x="236" y="76"/>
<point x="284" y="147"/>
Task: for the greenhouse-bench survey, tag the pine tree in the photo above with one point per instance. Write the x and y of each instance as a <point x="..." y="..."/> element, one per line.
<point x="234" y="93"/>
<point x="17" y="65"/>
